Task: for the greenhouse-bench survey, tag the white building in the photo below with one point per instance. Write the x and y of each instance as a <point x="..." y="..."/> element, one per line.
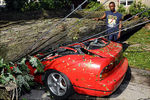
<point x="126" y="3"/>
<point x="33" y="0"/>
<point x="2" y="3"/>
<point x="117" y="2"/>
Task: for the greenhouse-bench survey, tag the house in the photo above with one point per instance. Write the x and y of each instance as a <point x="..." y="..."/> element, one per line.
<point x="33" y="1"/>
<point x="2" y="3"/>
<point x="129" y="2"/>
<point x="146" y="2"/>
<point x="126" y="3"/>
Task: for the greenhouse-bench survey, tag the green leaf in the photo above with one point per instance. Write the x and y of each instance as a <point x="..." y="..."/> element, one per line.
<point x="33" y="61"/>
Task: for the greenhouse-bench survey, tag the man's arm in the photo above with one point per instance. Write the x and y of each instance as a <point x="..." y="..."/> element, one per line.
<point x="100" y="18"/>
<point x="120" y="26"/>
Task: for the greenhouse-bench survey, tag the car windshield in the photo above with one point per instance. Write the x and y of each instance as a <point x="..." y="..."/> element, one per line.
<point x="96" y="43"/>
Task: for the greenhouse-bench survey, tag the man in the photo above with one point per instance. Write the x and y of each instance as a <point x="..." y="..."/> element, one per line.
<point x="113" y="21"/>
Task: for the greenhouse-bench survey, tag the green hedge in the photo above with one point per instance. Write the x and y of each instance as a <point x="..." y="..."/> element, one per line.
<point x="94" y="6"/>
<point x="138" y="7"/>
<point x="24" y="5"/>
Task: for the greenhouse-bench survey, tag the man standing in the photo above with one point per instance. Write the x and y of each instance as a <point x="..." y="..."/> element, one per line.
<point x="113" y="22"/>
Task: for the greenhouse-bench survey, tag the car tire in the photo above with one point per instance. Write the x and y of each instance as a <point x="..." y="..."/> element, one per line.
<point x="58" y="84"/>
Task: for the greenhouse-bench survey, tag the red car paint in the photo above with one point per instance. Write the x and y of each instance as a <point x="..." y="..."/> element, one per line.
<point x="84" y="70"/>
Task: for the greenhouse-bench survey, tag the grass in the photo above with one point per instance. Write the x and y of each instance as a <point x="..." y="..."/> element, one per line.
<point x="138" y="52"/>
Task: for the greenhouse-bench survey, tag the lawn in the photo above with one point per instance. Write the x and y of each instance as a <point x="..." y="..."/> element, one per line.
<point x="138" y="52"/>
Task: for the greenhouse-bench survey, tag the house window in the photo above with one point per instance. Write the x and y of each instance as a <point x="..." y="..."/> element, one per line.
<point x="3" y="2"/>
<point x="126" y="2"/>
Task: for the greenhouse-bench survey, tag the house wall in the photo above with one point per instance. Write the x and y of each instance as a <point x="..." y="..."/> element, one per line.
<point x="117" y="2"/>
<point x="146" y="2"/>
<point x="2" y="2"/>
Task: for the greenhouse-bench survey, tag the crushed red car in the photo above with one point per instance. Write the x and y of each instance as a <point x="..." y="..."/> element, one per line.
<point x="94" y="67"/>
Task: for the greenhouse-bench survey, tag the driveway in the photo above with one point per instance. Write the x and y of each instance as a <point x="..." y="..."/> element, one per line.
<point x="136" y="86"/>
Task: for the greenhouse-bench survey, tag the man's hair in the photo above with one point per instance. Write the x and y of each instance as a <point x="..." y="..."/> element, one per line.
<point x="112" y="3"/>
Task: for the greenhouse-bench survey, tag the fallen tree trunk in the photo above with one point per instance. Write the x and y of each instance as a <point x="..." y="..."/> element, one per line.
<point x="17" y="38"/>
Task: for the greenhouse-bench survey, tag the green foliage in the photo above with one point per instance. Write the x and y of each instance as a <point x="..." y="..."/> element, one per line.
<point x="36" y="64"/>
<point x="146" y="14"/>
<point x="5" y="75"/>
<point x="31" y="6"/>
<point x="94" y="6"/>
<point x="138" y="7"/>
<point x="121" y="9"/>
<point x="55" y="4"/>
<point x="15" y="4"/>
<point x="24" y="5"/>
<point x="23" y="66"/>
<point x="23" y="80"/>
<point x="18" y="74"/>
<point x="23" y="77"/>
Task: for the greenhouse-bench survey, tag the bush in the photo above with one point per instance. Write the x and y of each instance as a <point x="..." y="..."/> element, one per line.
<point x="47" y="4"/>
<point x="15" y="4"/>
<point x="55" y="4"/>
<point x="94" y="6"/>
<point x="24" y="5"/>
<point x="18" y="75"/>
<point x="121" y="9"/>
<point x="138" y="7"/>
<point x="31" y="6"/>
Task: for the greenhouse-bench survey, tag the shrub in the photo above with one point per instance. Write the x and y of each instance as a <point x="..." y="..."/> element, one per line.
<point x="24" y="5"/>
<point x="16" y="74"/>
<point x="138" y="7"/>
<point x="94" y="6"/>
<point x="121" y="9"/>
<point x="55" y="4"/>
<point x="15" y="4"/>
<point x="47" y="4"/>
<point x="31" y="6"/>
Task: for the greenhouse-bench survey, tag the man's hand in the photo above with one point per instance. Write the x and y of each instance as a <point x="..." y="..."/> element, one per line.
<point x="97" y="19"/>
<point x="100" y="18"/>
<point x="120" y="26"/>
<point x="119" y="35"/>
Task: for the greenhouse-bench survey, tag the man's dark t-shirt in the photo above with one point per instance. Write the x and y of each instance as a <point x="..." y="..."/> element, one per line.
<point x="112" y="21"/>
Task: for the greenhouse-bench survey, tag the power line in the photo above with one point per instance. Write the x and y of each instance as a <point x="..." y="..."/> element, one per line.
<point x="30" y="48"/>
<point x="113" y="33"/>
<point x="128" y="27"/>
<point x="70" y="29"/>
<point x="114" y="26"/>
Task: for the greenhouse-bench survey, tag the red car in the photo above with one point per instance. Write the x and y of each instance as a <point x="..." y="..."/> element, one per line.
<point x="94" y="67"/>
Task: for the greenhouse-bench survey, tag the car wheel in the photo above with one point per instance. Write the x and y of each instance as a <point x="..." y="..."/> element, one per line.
<point x="58" y="84"/>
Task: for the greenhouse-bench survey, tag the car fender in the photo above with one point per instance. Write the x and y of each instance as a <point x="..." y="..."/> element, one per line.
<point x="82" y="70"/>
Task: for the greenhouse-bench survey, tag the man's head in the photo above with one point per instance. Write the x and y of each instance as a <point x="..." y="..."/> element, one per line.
<point x="112" y="6"/>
